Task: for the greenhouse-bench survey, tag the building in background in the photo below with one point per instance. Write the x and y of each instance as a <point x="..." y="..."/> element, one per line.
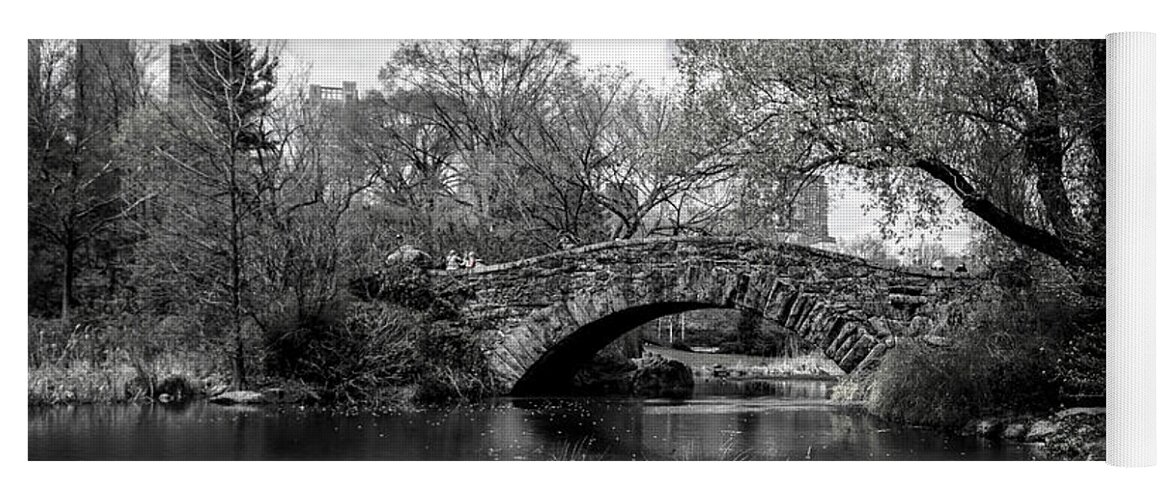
<point x="347" y="93"/>
<point x="180" y="59"/>
<point x="108" y="80"/>
<point x="807" y="219"/>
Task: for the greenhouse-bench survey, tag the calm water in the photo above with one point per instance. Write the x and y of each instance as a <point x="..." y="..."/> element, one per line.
<point x="776" y="420"/>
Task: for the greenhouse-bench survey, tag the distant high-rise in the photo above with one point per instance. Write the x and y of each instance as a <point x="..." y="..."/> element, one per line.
<point x="808" y="218"/>
<point x="107" y="83"/>
<point x="181" y="61"/>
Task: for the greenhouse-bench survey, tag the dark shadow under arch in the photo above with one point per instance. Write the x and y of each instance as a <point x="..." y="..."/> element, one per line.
<point x="553" y="371"/>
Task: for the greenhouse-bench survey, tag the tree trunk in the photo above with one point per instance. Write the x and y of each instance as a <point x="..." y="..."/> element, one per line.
<point x="67" y="279"/>
<point x="238" y="378"/>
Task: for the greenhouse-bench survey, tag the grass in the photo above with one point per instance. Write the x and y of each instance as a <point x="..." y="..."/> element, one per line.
<point x="111" y="364"/>
<point x="81" y="381"/>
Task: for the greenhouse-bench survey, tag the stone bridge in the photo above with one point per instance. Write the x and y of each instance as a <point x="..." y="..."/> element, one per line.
<point x="540" y="317"/>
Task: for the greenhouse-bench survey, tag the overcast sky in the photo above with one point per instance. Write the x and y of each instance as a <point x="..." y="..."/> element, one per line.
<point x="331" y="62"/>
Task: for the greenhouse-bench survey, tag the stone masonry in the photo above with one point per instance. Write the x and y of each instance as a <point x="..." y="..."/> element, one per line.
<point x="542" y="316"/>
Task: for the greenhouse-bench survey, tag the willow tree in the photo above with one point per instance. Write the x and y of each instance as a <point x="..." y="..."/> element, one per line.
<point x="1015" y="130"/>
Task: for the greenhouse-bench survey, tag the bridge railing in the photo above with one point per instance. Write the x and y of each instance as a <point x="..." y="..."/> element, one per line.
<point x="608" y="245"/>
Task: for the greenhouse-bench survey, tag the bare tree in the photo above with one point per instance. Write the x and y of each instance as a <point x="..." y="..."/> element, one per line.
<point x="79" y="93"/>
<point x="219" y="155"/>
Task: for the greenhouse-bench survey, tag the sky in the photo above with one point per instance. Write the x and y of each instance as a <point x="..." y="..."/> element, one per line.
<point x="331" y="62"/>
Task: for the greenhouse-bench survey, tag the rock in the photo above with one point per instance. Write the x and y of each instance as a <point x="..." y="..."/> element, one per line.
<point x="408" y="254"/>
<point x="1063" y="414"/>
<point x="919" y="326"/>
<point x="239" y="398"/>
<point x="607" y="373"/>
<point x="937" y="340"/>
<point x="984" y="427"/>
<point x="1014" y="432"/>
<point x="217" y="389"/>
<point x="659" y="377"/>
<point x="1040" y="430"/>
<point x="289" y="395"/>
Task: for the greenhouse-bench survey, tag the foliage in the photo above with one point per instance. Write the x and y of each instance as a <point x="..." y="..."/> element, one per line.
<point x="79" y="92"/>
<point x="1012" y="130"/>
<point x="871" y="248"/>
<point x="451" y="365"/>
<point x="351" y="352"/>
<point x="1078" y="437"/>
<point x="1001" y="361"/>
<point x="115" y="359"/>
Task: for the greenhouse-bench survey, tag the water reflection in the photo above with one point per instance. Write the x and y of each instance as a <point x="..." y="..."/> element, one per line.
<point x="787" y="420"/>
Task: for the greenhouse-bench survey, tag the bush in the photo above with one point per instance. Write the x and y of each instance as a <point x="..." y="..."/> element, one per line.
<point x="449" y="364"/>
<point x="350" y="352"/>
<point x="357" y="352"/>
<point x="1005" y="358"/>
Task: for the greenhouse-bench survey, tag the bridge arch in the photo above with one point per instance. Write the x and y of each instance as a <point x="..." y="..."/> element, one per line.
<point x="540" y="317"/>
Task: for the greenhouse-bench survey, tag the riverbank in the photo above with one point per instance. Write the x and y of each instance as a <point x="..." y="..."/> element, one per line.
<point x="1069" y="434"/>
<point x="167" y="378"/>
<point x="172" y="382"/>
<point x="748" y="367"/>
<point x="1061" y="434"/>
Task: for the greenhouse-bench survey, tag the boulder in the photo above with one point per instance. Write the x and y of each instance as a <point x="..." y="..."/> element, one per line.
<point x="289" y="395"/>
<point x="408" y="254"/>
<point x="661" y="377"/>
<point x="1040" y="430"/>
<point x="1015" y="432"/>
<point x="984" y="427"/>
<point x="607" y="373"/>
<point x="239" y="398"/>
<point x="1063" y="414"/>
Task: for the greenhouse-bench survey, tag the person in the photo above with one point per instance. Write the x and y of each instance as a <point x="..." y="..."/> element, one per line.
<point x="937" y="265"/>
<point x="453" y="261"/>
<point x="961" y="268"/>
<point x="470" y="260"/>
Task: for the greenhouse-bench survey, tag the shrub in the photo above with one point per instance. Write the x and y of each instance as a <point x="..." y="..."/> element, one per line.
<point x="1005" y="358"/>
<point x="449" y="364"/>
<point x="350" y="352"/>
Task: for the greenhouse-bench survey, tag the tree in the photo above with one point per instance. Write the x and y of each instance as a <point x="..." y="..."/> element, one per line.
<point x="79" y="93"/>
<point x="216" y="179"/>
<point x="918" y="120"/>
<point x="483" y="95"/>
<point x="412" y="157"/>
<point x="871" y="248"/>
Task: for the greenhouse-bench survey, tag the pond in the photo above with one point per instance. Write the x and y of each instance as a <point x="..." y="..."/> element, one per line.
<point x="723" y="420"/>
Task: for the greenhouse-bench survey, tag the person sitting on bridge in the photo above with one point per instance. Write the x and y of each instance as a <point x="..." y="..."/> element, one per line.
<point x="937" y="265"/>
<point x="453" y="261"/>
<point x="961" y="268"/>
<point x="470" y="260"/>
<point x="565" y="243"/>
